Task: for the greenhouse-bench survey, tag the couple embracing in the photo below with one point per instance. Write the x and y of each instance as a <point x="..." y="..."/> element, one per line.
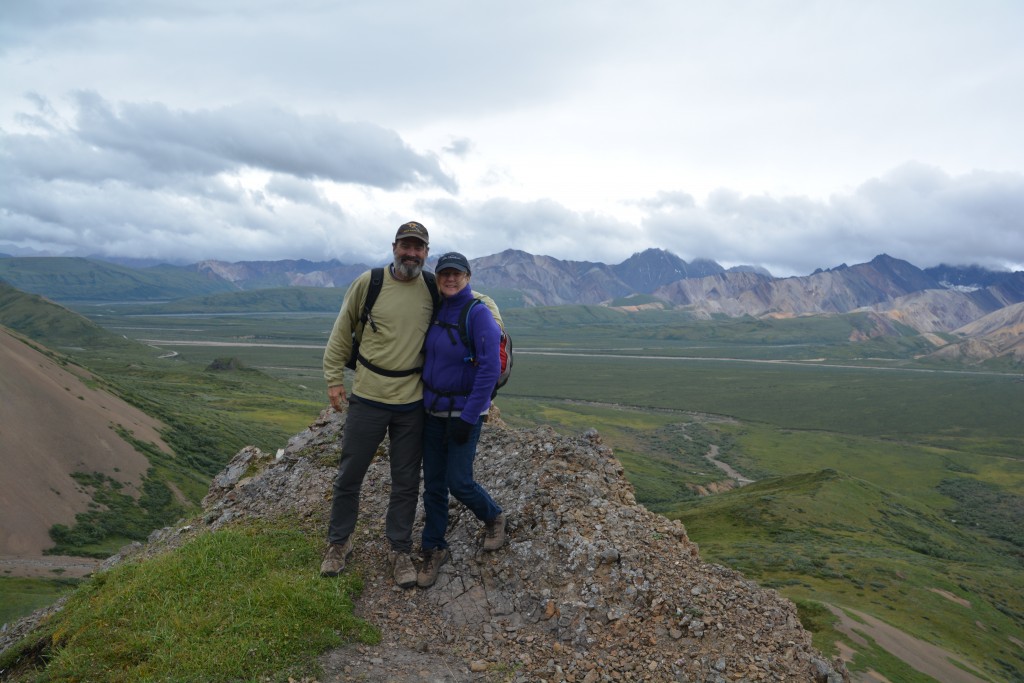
<point x="426" y="396"/>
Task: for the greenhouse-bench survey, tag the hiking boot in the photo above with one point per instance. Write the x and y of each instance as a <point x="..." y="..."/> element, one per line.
<point x="405" y="573"/>
<point x="432" y="561"/>
<point x="335" y="558"/>
<point x="494" y="533"/>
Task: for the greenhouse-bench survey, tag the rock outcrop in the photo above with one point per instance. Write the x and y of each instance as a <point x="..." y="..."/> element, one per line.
<point x="590" y="587"/>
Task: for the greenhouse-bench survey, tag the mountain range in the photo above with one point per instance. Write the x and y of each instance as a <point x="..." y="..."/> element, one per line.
<point x="951" y="303"/>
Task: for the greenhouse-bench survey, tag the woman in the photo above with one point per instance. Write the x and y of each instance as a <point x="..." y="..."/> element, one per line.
<point x="457" y="384"/>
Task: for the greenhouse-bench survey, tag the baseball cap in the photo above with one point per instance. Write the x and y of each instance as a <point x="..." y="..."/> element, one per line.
<point x="413" y="229"/>
<point x="452" y="259"/>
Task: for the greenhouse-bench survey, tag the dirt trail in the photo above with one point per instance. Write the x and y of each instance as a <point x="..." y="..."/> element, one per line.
<point x="712" y="456"/>
<point x="924" y="657"/>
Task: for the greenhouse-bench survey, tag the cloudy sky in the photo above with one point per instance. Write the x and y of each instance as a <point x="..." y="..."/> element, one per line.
<point x="790" y="134"/>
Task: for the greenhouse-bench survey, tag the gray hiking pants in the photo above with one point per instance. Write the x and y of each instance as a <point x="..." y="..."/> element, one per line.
<point x="365" y="428"/>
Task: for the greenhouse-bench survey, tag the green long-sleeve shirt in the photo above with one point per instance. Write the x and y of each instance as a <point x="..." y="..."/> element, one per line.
<point x="402" y="314"/>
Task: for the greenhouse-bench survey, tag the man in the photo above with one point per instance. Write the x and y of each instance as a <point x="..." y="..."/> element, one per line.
<point x="387" y="398"/>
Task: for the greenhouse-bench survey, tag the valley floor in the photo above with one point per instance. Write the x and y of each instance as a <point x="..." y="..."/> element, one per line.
<point x="47" y="566"/>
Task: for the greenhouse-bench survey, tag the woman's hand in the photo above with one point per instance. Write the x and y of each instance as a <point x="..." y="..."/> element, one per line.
<point x="460" y="430"/>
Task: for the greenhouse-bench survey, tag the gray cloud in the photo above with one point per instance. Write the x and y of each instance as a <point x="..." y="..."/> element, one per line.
<point x="144" y="180"/>
<point x="306" y="128"/>
<point x="915" y="212"/>
<point x="149" y="143"/>
<point x="460" y="147"/>
<point x="543" y="227"/>
<point x="223" y="140"/>
<point x="117" y="218"/>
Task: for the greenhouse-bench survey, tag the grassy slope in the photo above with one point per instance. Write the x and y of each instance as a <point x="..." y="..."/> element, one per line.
<point x="253" y="612"/>
<point x="23" y="596"/>
<point x="80" y="279"/>
<point x="834" y="538"/>
<point x="51" y="324"/>
<point x="210" y="416"/>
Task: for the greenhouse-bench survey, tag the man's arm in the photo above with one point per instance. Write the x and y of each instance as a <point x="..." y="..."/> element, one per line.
<point x="339" y="345"/>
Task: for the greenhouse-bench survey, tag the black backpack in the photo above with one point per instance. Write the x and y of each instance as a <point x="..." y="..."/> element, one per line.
<point x="376" y="283"/>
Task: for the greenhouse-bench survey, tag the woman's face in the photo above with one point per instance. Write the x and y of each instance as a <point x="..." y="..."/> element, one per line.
<point x="451" y="281"/>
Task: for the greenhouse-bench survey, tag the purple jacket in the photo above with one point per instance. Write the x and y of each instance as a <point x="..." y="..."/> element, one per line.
<point x="450" y="382"/>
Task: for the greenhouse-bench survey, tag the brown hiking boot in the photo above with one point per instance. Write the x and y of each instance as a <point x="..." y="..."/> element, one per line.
<point x="404" y="572"/>
<point x="335" y="558"/>
<point x="494" y="533"/>
<point x="432" y="561"/>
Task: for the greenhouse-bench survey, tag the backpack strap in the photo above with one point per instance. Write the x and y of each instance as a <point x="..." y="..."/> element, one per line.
<point x="383" y="371"/>
<point x="435" y="296"/>
<point x="464" y="333"/>
<point x="376" y="284"/>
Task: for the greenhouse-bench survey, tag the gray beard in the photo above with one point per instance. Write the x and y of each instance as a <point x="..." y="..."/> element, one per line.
<point x="407" y="271"/>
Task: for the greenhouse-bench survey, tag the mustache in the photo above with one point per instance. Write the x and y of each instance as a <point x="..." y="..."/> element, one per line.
<point x="409" y="266"/>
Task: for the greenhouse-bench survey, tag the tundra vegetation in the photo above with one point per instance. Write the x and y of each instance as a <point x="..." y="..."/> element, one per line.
<point x="882" y="480"/>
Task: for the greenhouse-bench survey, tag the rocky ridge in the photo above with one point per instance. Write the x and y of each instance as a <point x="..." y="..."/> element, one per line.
<point x="590" y="587"/>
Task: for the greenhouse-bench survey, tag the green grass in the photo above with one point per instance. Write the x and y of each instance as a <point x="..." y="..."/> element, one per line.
<point x="52" y="325"/>
<point x="115" y="518"/>
<point x="819" y="620"/>
<point x="875" y="658"/>
<point x="833" y="538"/>
<point x="243" y="604"/>
<point x="895" y="404"/>
<point x="22" y="595"/>
<point x="273" y="300"/>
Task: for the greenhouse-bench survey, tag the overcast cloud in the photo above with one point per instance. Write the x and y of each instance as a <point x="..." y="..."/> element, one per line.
<point x="791" y="135"/>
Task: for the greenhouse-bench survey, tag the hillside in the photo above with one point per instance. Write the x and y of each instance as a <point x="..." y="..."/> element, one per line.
<point x="590" y="587"/>
<point x="54" y="422"/>
<point x="52" y="324"/>
<point x="80" y="279"/>
<point x="274" y="300"/>
<point x="106" y="440"/>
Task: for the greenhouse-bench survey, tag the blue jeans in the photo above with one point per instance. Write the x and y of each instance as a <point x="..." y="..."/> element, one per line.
<point x="448" y="467"/>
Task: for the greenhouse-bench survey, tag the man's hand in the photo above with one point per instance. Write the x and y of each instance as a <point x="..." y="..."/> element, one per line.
<point x="337" y="396"/>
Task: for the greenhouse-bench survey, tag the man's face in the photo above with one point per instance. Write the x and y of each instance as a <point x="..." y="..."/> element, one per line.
<point x="410" y="253"/>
